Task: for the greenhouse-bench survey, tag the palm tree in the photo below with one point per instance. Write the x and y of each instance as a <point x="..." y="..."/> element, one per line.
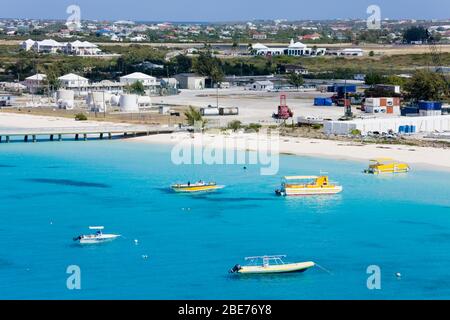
<point x="194" y="117"/>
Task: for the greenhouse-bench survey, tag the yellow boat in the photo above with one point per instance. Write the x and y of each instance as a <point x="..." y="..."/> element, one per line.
<point x="307" y="185"/>
<point x="386" y="165"/>
<point x="262" y="265"/>
<point x="196" y="187"/>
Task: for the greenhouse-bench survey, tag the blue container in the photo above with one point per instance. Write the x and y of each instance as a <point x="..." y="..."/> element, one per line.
<point x="401" y="129"/>
<point x="319" y="101"/>
<point x="328" y="102"/>
<point x="430" y="105"/>
<point x="413" y="129"/>
<point x="350" y="88"/>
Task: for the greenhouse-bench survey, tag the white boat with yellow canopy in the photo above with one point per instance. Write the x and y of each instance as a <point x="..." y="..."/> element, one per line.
<point x="307" y="185"/>
<point x="386" y="165"/>
<point x="270" y="264"/>
<point x="200" y="186"/>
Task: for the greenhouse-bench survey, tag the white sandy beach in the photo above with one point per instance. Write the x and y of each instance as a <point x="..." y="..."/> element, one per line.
<point x="432" y="158"/>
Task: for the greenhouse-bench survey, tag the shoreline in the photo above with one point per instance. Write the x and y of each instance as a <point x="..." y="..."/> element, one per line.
<point x="428" y="158"/>
<point x="319" y="148"/>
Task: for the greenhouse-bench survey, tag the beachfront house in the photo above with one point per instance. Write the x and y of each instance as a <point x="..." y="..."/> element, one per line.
<point x="35" y="83"/>
<point x="296" y="49"/>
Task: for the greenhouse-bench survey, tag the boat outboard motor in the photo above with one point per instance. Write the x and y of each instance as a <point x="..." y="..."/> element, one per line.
<point x="235" y="269"/>
<point x="77" y="238"/>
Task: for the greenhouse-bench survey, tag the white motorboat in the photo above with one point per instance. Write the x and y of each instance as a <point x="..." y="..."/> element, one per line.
<point x="97" y="237"/>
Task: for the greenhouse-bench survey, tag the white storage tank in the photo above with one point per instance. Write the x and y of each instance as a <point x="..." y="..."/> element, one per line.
<point x="128" y="103"/>
<point x="97" y="100"/>
<point x="65" y="99"/>
<point x="209" y="111"/>
<point x="144" y="101"/>
<point x="115" y="100"/>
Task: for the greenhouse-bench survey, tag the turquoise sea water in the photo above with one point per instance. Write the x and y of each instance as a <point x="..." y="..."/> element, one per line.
<point x="51" y="192"/>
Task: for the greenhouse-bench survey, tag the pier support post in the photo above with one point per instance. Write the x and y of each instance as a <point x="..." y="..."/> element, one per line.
<point x="7" y="139"/>
<point x="34" y="138"/>
<point x="109" y="136"/>
<point x="0" y="139"/>
<point x="25" y="138"/>
<point x="51" y="137"/>
<point x="85" y="137"/>
<point x="59" y="137"/>
<point x="76" y="136"/>
<point x="101" y="136"/>
<point x="134" y="134"/>
<point x="125" y="134"/>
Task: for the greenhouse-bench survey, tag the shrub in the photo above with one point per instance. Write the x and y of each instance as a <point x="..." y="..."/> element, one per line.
<point x="355" y="132"/>
<point x="253" y="127"/>
<point x="80" y="117"/>
<point x="235" y="125"/>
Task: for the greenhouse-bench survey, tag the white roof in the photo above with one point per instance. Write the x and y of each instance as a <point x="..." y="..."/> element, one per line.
<point x="296" y="45"/>
<point x="138" y="75"/>
<point x="83" y="44"/>
<point x="37" y="77"/>
<point x="353" y="49"/>
<point x="29" y="41"/>
<point x="266" y="83"/>
<point x="259" y="46"/>
<point x="50" y="43"/>
<point x="72" y="77"/>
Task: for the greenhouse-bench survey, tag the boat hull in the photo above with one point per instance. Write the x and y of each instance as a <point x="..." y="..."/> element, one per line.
<point x="282" y="268"/>
<point x="96" y="240"/>
<point x="196" y="189"/>
<point x="311" y="191"/>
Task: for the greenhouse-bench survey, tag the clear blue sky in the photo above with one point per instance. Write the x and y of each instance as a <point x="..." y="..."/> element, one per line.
<point x="224" y="10"/>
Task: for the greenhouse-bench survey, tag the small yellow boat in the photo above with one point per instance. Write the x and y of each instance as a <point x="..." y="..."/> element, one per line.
<point x="386" y="165"/>
<point x="270" y="264"/>
<point x="196" y="187"/>
<point x="307" y="185"/>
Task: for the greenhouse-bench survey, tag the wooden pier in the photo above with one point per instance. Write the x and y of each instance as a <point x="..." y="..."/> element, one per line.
<point x="80" y="133"/>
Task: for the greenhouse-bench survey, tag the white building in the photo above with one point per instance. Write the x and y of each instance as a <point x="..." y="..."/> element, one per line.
<point x="74" y="81"/>
<point x="35" y="83"/>
<point x="261" y="86"/>
<point x="355" y="52"/>
<point x="27" y="45"/>
<point x="82" y="48"/>
<point x="190" y="81"/>
<point x="146" y="80"/>
<point x="48" y="46"/>
<point x="295" y="49"/>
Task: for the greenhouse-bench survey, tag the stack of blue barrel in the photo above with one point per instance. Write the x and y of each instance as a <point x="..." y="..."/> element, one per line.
<point x="406" y="129"/>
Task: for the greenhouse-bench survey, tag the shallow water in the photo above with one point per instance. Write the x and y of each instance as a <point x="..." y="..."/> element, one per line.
<point x="51" y="192"/>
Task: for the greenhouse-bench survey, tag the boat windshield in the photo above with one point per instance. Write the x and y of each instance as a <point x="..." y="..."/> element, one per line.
<point x="265" y="260"/>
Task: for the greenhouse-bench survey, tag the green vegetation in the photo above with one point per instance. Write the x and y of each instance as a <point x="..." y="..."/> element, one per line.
<point x="235" y="125"/>
<point x="194" y="117"/>
<point x="253" y="127"/>
<point x="80" y="117"/>
<point x="296" y="80"/>
<point x="426" y="85"/>
<point x="415" y="33"/>
<point x="136" y="88"/>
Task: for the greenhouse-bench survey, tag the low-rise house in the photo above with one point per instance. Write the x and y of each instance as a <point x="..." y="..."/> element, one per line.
<point x="35" y="83"/>
<point x="261" y="86"/>
<point x="82" y="48"/>
<point x="146" y="80"/>
<point x="48" y="46"/>
<point x="190" y="81"/>
<point x="74" y="82"/>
